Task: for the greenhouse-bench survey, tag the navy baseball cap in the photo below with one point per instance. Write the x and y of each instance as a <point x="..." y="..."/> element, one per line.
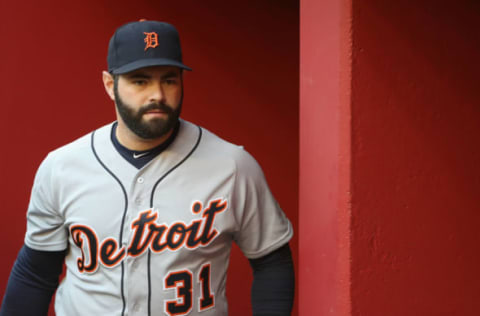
<point x="142" y="44"/>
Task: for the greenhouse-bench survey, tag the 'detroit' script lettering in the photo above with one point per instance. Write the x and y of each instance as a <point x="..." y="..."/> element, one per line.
<point x="147" y="234"/>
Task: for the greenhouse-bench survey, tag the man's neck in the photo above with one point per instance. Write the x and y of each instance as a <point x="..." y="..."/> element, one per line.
<point x="131" y="141"/>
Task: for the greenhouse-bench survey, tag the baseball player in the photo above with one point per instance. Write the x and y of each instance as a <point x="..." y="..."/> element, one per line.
<point x="143" y="211"/>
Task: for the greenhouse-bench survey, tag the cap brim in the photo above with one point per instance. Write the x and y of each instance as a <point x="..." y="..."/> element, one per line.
<point x="148" y="63"/>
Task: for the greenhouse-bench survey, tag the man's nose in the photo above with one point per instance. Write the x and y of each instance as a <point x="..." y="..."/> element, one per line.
<point x="157" y="93"/>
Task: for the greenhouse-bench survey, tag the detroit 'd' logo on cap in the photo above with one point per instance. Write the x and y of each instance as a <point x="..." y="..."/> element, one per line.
<point x="151" y="40"/>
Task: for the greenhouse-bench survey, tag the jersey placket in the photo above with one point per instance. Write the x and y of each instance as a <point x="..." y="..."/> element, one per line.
<point x="136" y="276"/>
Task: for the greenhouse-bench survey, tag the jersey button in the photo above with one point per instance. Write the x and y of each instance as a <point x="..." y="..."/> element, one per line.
<point x="135" y="264"/>
<point x="138" y="201"/>
<point x="140" y="180"/>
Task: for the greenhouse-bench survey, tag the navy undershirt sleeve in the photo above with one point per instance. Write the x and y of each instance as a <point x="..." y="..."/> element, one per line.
<point x="32" y="282"/>
<point x="273" y="285"/>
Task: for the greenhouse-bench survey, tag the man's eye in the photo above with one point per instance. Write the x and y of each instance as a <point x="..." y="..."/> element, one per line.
<point x="170" y="81"/>
<point x="139" y="82"/>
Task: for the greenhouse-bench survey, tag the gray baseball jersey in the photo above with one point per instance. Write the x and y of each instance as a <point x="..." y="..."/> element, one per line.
<point x="155" y="240"/>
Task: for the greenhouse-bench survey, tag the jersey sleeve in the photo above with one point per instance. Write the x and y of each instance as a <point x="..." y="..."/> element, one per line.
<point x="262" y="226"/>
<point x="45" y="229"/>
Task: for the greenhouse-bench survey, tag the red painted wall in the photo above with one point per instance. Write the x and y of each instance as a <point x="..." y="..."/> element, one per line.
<point x="415" y="158"/>
<point x="324" y="211"/>
<point x="244" y="87"/>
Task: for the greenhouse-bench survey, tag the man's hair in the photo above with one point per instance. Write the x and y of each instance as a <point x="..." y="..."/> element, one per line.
<point x="115" y="78"/>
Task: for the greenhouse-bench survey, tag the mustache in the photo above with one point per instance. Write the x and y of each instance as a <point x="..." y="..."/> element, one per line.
<point x="155" y="106"/>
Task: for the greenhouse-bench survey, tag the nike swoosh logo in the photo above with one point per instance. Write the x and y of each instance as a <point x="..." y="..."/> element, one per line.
<point x="140" y="155"/>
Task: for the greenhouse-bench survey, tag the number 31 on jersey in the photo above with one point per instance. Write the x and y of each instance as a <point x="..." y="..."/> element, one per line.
<point x="182" y="281"/>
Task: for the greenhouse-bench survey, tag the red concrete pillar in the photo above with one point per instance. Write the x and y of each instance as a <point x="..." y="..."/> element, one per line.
<point x="324" y="157"/>
<point x="389" y="156"/>
<point x="415" y="158"/>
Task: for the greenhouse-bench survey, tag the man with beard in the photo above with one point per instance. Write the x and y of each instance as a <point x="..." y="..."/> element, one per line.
<point x="143" y="211"/>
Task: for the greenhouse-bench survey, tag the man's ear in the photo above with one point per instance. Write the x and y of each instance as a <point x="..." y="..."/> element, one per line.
<point x="108" y="84"/>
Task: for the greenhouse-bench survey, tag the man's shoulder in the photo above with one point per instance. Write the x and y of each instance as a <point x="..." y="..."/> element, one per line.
<point x="215" y="148"/>
<point x="211" y="143"/>
<point x="78" y="148"/>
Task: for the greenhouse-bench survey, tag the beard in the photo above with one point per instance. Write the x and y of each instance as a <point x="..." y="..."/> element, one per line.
<point x="153" y="128"/>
